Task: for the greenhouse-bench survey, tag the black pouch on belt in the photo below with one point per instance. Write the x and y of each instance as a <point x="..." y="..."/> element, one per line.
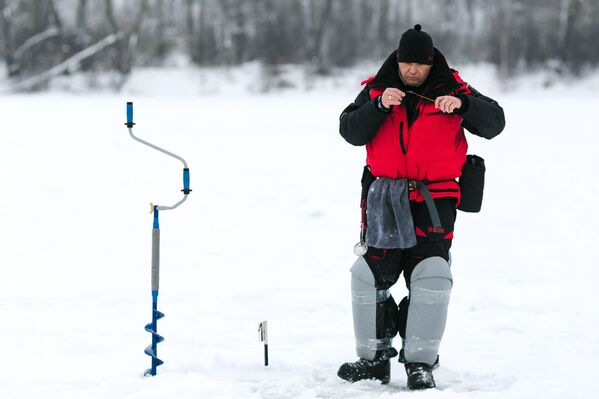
<point x="367" y="180"/>
<point x="472" y="184"/>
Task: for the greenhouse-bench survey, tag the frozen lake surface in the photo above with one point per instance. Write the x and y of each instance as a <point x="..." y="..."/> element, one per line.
<point x="268" y="234"/>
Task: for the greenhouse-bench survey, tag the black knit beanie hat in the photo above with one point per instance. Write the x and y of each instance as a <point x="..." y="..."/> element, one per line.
<point x="415" y="46"/>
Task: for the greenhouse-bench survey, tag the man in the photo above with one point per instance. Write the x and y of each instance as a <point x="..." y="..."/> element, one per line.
<point x="411" y="116"/>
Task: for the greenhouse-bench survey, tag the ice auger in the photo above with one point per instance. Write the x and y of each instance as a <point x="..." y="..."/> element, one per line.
<point x="152" y="327"/>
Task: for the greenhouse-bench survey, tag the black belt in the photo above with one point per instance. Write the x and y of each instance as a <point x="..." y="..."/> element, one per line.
<point x="430" y="203"/>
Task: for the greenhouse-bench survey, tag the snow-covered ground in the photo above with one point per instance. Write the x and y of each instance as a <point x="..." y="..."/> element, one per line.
<point x="267" y="234"/>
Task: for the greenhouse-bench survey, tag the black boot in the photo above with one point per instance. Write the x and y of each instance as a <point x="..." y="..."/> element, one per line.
<point x="377" y="369"/>
<point x="402" y="359"/>
<point x="420" y="376"/>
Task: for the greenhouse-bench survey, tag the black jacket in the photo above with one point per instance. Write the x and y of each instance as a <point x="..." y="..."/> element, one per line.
<point x="360" y="120"/>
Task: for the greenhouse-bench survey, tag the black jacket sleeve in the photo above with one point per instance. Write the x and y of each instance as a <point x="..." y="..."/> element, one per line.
<point x="360" y="120"/>
<point x="481" y="115"/>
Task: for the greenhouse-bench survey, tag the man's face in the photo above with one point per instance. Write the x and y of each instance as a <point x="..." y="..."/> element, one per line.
<point x="413" y="74"/>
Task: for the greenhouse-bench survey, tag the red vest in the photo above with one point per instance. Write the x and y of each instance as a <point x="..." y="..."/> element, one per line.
<point x="432" y="148"/>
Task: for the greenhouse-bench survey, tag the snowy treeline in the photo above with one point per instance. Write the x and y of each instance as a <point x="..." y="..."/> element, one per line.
<point x="41" y="39"/>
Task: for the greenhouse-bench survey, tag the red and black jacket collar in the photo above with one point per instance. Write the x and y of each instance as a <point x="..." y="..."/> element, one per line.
<point x="441" y="80"/>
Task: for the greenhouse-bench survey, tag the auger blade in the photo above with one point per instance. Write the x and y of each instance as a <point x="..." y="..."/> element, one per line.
<point x="155" y="363"/>
<point x="152" y="371"/>
<point x="151" y="350"/>
<point x="155" y="335"/>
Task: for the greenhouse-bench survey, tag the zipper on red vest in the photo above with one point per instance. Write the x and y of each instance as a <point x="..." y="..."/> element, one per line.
<point x="401" y="143"/>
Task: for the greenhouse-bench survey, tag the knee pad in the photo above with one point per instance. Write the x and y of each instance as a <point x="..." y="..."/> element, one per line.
<point x="374" y="312"/>
<point x="430" y="290"/>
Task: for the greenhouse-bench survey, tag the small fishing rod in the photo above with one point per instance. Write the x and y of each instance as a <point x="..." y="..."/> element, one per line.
<point x="420" y="95"/>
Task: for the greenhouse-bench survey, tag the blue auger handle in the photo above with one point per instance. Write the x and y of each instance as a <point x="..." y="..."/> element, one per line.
<point x="186" y="189"/>
<point x="129" y="114"/>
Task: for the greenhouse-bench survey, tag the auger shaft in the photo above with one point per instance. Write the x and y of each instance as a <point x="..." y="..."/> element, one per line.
<point x="152" y="328"/>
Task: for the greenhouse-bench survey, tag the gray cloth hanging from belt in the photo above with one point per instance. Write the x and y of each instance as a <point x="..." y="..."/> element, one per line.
<point x="390" y="223"/>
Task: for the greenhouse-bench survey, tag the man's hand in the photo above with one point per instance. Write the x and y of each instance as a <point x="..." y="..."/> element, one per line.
<point x="392" y="96"/>
<point x="448" y="104"/>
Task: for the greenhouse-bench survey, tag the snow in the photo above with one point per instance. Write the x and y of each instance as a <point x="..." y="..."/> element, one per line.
<point x="267" y="234"/>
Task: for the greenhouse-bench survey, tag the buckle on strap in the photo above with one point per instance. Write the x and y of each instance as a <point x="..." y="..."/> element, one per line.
<point x="412" y="185"/>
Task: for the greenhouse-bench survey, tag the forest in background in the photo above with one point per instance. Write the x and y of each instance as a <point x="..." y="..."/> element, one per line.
<point x="43" y="39"/>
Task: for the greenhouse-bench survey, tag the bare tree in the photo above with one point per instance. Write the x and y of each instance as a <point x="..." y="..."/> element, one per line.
<point x="319" y="20"/>
<point x="7" y="37"/>
<point x="123" y="55"/>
